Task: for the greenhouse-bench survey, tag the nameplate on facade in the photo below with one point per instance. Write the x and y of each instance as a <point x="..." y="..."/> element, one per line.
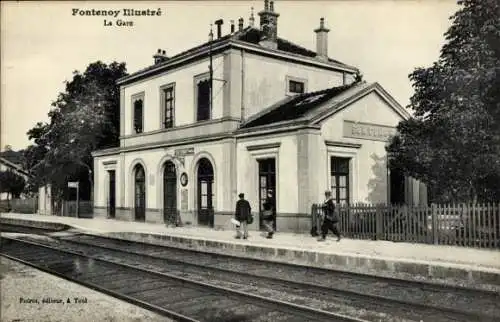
<point x="184" y="199"/>
<point x="368" y="131"/>
<point x="184" y="152"/>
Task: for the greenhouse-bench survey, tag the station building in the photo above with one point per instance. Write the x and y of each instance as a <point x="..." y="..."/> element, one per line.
<point x="267" y="115"/>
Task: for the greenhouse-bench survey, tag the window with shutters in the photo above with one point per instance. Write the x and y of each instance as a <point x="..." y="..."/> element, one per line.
<point x="203" y="100"/>
<point x="138" y="113"/>
<point x="339" y="172"/>
<point x="168" y="105"/>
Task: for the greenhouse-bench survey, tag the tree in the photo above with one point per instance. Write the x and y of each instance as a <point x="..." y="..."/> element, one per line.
<point x="11" y="183"/>
<point x="452" y="142"/>
<point x="84" y="118"/>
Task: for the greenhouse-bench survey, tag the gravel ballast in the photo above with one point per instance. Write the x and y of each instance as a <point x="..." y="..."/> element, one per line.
<point x="21" y="284"/>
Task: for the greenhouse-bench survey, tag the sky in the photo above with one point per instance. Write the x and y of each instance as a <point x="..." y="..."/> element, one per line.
<point x="42" y="42"/>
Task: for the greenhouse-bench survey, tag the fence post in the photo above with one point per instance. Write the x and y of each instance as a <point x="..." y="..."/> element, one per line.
<point x="434" y="220"/>
<point x="312" y="217"/>
<point x="319" y="222"/>
<point x="379" y="222"/>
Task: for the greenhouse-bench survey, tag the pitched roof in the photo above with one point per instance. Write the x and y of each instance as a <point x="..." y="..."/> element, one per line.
<point x="249" y="35"/>
<point x="311" y="108"/>
<point x="12" y="156"/>
<point x="13" y="166"/>
<point x="295" y="107"/>
<point x="254" y="36"/>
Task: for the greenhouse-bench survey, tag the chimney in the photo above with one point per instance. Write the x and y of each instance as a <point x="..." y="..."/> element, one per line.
<point x="232" y="26"/>
<point x="211" y="34"/>
<point x="251" y="20"/>
<point x="269" y="25"/>
<point x="219" y="23"/>
<point x="160" y="56"/>
<point x="240" y="24"/>
<point x="322" y="40"/>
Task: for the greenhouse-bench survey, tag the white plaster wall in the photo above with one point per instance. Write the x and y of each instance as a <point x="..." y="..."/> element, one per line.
<point x="369" y="109"/>
<point x="286" y="171"/>
<point x="44" y="200"/>
<point x="101" y="180"/>
<point x="265" y="80"/>
<point x="183" y="77"/>
<point x="154" y="160"/>
<point x="368" y="165"/>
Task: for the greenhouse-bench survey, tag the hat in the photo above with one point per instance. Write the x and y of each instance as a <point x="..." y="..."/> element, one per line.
<point x="241" y="195"/>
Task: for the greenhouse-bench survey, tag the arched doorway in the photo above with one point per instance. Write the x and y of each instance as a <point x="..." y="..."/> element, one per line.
<point x="139" y="193"/>
<point x="205" y="193"/>
<point x="169" y="193"/>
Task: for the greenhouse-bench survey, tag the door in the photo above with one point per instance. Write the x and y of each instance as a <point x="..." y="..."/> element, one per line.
<point x="339" y="172"/>
<point x="205" y="193"/>
<point x="140" y="194"/>
<point x="169" y="193"/>
<point x="112" y="194"/>
<point x="267" y="185"/>
<point x="396" y="186"/>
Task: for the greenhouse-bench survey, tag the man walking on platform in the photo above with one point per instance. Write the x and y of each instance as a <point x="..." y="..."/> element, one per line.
<point x="331" y="219"/>
<point x="242" y="214"/>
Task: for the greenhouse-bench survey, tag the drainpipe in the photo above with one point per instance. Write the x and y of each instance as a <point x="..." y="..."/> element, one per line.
<point x="242" y="86"/>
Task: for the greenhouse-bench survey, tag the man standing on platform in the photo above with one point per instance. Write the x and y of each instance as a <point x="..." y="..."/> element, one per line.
<point x="242" y="214"/>
<point x="331" y="219"/>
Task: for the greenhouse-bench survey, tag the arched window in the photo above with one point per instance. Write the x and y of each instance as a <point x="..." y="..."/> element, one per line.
<point x="169" y="193"/>
<point x="139" y="193"/>
<point x="205" y="192"/>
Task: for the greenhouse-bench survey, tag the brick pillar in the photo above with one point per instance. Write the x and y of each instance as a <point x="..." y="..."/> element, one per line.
<point x="232" y="97"/>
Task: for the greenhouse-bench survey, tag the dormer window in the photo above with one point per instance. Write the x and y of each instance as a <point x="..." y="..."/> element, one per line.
<point x="295" y="85"/>
<point x="138" y="112"/>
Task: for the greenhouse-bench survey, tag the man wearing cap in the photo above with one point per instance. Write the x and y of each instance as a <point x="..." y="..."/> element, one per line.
<point x="331" y="218"/>
<point x="242" y="214"/>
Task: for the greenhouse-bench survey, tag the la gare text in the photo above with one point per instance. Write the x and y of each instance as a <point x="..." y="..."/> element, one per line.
<point x="119" y="23"/>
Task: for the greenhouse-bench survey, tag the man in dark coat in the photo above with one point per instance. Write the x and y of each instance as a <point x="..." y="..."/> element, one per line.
<point x="242" y="214"/>
<point x="331" y="219"/>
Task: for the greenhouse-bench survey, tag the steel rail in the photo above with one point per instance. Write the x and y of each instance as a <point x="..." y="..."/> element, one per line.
<point x="429" y="285"/>
<point x="275" y="304"/>
<point x="298" y="284"/>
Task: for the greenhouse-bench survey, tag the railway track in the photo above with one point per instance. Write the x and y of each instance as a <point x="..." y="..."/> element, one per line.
<point x="366" y="297"/>
<point x="177" y="297"/>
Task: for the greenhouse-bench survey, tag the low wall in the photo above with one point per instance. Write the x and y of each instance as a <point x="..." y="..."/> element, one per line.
<point x="23" y="206"/>
<point x="34" y="224"/>
<point x="453" y="274"/>
<point x="292" y="223"/>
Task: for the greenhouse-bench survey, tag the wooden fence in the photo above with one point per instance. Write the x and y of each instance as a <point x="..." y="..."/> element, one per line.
<point x="68" y="209"/>
<point x="470" y="225"/>
<point x="24" y="206"/>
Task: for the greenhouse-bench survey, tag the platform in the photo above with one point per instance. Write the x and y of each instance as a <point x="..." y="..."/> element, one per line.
<point x="20" y="281"/>
<point x="444" y="264"/>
